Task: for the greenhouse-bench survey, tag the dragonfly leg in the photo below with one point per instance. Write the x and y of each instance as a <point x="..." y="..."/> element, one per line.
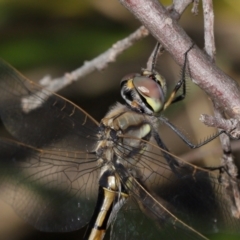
<point x="181" y="83"/>
<point x="172" y="162"/>
<point x="184" y="138"/>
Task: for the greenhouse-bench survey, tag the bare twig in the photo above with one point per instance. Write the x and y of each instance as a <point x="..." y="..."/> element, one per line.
<point x="208" y="15"/>
<point x="229" y="181"/>
<point x="221" y="88"/>
<point x="195" y="7"/>
<point x="178" y="7"/>
<point x="230" y="126"/>
<point x="102" y="61"/>
<point x="99" y="62"/>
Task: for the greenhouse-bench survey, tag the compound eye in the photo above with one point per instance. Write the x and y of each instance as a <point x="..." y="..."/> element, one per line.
<point x="128" y="77"/>
<point x="151" y="91"/>
<point x="156" y="77"/>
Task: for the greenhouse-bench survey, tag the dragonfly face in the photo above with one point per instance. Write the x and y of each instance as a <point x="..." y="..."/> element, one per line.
<point x="144" y="92"/>
<point x="63" y="164"/>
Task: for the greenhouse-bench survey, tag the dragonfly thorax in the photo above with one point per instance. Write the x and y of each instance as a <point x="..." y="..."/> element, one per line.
<point x="123" y="137"/>
<point x="144" y="92"/>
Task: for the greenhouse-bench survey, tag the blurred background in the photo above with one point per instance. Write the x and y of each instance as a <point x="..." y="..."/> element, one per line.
<point x="42" y="38"/>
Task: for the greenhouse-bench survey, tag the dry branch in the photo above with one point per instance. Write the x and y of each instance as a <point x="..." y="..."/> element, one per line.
<point x="221" y="88"/>
<point x="102" y="61"/>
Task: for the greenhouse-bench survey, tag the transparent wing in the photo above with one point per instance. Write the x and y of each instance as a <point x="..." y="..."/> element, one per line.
<point x="51" y="177"/>
<point x="52" y="190"/>
<point x="131" y="223"/>
<point x="40" y="118"/>
<point x="182" y="199"/>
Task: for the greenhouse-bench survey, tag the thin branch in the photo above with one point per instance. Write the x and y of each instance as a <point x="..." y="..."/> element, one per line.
<point x="195" y="7"/>
<point x="229" y="179"/>
<point x="98" y="63"/>
<point x="208" y="16"/>
<point x="221" y="88"/>
<point x="230" y="126"/>
<point x="102" y="61"/>
<point x="178" y="7"/>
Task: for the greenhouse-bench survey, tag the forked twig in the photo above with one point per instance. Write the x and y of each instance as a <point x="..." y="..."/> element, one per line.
<point x="99" y="63"/>
<point x="229" y="180"/>
<point x="221" y="88"/>
<point x="102" y="60"/>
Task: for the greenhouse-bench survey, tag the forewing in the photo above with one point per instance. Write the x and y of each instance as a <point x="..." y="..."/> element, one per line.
<point x="41" y="118"/>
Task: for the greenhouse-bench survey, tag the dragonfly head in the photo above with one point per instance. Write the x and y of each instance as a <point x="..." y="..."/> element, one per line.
<point x="144" y="92"/>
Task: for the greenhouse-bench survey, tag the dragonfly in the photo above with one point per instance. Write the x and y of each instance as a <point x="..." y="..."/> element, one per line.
<point x="63" y="170"/>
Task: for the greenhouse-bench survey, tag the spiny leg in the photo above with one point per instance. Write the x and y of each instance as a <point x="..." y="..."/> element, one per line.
<point x="181" y="83"/>
<point x="184" y="138"/>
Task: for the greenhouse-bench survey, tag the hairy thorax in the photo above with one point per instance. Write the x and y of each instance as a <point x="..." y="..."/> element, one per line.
<point x="123" y="137"/>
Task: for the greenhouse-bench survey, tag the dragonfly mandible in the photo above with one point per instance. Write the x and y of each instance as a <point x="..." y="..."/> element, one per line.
<point x="65" y="170"/>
